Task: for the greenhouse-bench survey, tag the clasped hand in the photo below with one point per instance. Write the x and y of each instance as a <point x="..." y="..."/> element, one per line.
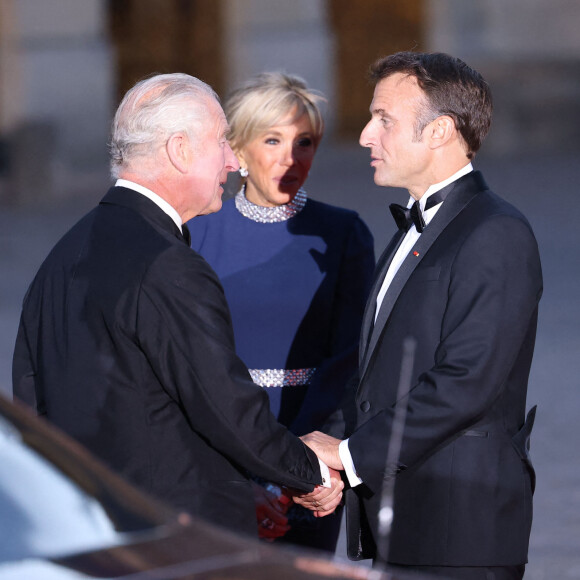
<point x="325" y="446"/>
<point x="323" y="500"/>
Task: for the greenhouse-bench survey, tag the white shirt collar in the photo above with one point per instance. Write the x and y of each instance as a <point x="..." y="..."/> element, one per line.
<point x="166" y="207"/>
<point x="437" y="186"/>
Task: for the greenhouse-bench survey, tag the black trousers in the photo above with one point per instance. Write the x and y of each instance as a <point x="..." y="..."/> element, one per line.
<point x="458" y="572"/>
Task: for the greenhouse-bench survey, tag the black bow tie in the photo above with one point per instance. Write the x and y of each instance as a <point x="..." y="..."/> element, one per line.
<point x="405" y="217"/>
<point x="185" y="233"/>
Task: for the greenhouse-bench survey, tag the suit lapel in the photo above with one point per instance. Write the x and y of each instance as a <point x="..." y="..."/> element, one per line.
<point x="464" y="190"/>
<point x="370" y="308"/>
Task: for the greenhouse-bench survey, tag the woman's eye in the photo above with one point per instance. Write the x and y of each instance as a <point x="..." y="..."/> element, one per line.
<point x="271" y="141"/>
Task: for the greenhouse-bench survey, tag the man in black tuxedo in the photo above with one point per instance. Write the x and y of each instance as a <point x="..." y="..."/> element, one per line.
<point x="125" y="339"/>
<point x="462" y="279"/>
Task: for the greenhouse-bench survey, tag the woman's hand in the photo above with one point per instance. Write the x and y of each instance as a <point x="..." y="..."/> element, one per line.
<point x="270" y="513"/>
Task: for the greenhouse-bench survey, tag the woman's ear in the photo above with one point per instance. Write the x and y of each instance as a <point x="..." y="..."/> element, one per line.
<point x="241" y="159"/>
<point x="179" y="152"/>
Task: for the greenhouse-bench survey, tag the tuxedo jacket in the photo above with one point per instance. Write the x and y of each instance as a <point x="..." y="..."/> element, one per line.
<point x="468" y="294"/>
<point x="126" y="343"/>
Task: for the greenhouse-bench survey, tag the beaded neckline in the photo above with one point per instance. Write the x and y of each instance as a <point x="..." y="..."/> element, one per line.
<point x="270" y="215"/>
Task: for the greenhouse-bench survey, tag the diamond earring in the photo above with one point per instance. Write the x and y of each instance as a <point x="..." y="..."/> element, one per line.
<point x="243" y="172"/>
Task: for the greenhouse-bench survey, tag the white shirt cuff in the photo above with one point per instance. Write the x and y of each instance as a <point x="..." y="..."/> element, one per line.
<point x="325" y="473"/>
<point x="348" y="464"/>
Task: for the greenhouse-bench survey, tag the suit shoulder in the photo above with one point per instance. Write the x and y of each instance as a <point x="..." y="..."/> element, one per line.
<point x="68" y="247"/>
<point x="491" y="204"/>
<point x="493" y="226"/>
<point x="489" y="211"/>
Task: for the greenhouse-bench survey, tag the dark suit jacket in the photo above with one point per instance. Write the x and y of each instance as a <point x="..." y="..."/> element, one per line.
<point x="126" y="344"/>
<point x="468" y="294"/>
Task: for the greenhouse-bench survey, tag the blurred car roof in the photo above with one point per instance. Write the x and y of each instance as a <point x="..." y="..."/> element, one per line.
<point x="64" y="515"/>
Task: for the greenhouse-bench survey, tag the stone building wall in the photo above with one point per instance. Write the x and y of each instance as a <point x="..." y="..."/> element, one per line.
<point x="55" y="103"/>
<point x="529" y="51"/>
<point x="65" y="63"/>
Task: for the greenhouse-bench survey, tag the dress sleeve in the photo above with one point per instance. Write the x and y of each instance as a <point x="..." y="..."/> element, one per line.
<point x="329" y="384"/>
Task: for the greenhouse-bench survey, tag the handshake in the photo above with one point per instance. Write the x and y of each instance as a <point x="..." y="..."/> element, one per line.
<point x="272" y="503"/>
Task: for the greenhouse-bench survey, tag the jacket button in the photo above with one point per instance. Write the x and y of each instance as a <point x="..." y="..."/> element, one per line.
<point x="365" y="406"/>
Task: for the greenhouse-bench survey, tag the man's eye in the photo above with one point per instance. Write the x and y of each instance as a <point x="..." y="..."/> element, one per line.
<point x="306" y="142"/>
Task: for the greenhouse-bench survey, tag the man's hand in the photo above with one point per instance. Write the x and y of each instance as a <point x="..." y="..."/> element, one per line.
<point x="325" y="446"/>
<point x="323" y="500"/>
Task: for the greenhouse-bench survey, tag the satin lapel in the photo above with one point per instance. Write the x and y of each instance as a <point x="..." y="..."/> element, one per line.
<point x="464" y="191"/>
<point x="371" y="305"/>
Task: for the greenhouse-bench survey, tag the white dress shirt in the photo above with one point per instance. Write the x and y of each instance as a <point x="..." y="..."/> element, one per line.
<point x="402" y="252"/>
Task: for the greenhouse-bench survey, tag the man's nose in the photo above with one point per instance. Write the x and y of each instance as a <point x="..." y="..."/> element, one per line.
<point x="232" y="163"/>
<point x="365" y="139"/>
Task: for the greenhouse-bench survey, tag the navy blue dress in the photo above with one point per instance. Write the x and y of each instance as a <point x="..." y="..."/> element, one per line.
<point x="297" y="291"/>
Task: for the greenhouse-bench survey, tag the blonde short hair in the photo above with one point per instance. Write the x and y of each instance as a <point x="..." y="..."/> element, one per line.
<point x="266" y="100"/>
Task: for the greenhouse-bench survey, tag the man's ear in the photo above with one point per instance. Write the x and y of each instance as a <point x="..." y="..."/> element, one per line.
<point x="441" y="131"/>
<point x="179" y="152"/>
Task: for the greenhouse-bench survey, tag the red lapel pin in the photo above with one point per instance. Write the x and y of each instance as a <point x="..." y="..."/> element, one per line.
<point x="415" y="253"/>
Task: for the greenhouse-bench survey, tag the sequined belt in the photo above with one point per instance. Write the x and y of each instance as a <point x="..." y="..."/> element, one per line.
<point x="281" y="377"/>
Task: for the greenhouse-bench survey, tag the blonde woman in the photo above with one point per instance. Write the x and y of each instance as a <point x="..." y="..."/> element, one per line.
<point x="296" y="273"/>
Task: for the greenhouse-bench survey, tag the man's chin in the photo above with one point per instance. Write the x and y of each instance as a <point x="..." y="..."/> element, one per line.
<point x="381" y="180"/>
<point x="214" y="207"/>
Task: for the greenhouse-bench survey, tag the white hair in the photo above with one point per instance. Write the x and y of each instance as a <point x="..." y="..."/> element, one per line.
<point x="152" y="111"/>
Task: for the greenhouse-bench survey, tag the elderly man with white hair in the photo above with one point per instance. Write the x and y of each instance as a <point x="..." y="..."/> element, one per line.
<point x="125" y="339"/>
